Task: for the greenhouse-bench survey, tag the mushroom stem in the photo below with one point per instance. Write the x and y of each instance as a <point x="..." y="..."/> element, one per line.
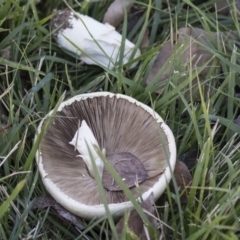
<point x="85" y="142"/>
<point x="94" y="42"/>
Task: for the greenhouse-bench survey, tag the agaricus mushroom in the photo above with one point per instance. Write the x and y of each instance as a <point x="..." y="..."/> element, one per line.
<point x="94" y="42"/>
<point x="121" y="128"/>
<point x="188" y="53"/>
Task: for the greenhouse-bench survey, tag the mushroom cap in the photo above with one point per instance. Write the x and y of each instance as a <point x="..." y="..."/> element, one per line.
<point x="120" y="124"/>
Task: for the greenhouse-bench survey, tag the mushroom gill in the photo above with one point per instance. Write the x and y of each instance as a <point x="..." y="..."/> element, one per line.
<point x="119" y="126"/>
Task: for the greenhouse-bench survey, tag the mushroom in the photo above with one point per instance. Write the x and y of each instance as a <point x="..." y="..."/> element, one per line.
<point x="122" y="128"/>
<point x="115" y="12"/>
<point x="135" y="224"/>
<point x="94" y="42"/>
<point x="224" y="7"/>
<point x="3" y="111"/>
<point x="188" y="52"/>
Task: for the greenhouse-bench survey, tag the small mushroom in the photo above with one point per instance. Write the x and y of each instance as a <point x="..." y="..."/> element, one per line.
<point x="116" y="11"/>
<point x="183" y="179"/>
<point x="187" y="51"/>
<point x="94" y="42"/>
<point x="127" y="130"/>
<point x="135" y="224"/>
<point x="224" y="6"/>
<point x="6" y="53"/>
<point x="3" y="111"/>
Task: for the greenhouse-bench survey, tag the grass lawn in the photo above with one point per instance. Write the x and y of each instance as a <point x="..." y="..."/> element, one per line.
<point x="35" y="74"/>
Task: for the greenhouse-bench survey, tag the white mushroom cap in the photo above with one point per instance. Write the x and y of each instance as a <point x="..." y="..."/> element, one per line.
<point x="120" y="124"/>
<point x="100" y="42"/>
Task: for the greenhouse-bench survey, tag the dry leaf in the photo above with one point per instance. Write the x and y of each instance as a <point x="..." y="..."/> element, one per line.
<point x="186" y="53"/>
<point x="129" y="168"/>
<point x="135" y="225"/>
<point x="116" y="11"/>
<point x="48" y="201"/>
<point x="183" y="179"/>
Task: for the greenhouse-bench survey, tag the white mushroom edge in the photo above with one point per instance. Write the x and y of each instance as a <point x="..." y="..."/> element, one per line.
<point x="117" y="209"/>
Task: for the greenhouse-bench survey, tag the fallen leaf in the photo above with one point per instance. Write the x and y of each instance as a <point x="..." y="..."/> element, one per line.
<point x="115" y="13"/>
<point x="135" y="226"/>
<point x="129" y="168"/>
<point x="183" y="179"/>
<point x="47" y="201"/>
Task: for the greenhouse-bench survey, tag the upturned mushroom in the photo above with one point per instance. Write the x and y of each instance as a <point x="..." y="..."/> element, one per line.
<point x="92" y="41"/>
<point x="132" y="136"/>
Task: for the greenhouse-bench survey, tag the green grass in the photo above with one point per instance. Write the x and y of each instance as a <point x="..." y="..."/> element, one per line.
<point x="37" y="74"/>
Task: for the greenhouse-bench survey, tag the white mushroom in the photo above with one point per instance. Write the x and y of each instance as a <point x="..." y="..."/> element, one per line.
<point x="94" y="42"/>
<point x="127" y="129"/>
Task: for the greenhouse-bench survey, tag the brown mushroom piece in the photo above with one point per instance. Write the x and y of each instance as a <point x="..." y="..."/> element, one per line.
<point x="124" y="129"/>
<point x="115" y="12"/>
<point x="223" y="6"/>
<point x="187" y="51"/>
<point x="135" y="224"/>
<point x="183" y="180"/>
